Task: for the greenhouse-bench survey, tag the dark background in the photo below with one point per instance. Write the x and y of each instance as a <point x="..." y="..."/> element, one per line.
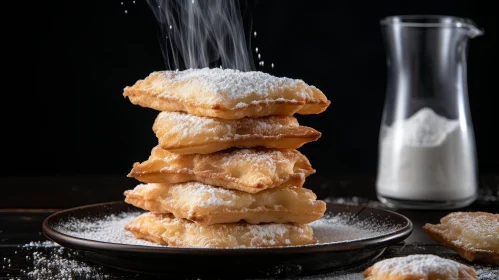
<point x="68" y="62"/>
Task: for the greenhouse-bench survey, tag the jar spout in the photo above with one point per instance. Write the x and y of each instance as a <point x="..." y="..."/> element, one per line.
<point x="471" y="28"/>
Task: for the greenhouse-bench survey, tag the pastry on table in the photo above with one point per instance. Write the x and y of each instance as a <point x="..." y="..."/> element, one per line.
<point x="226" y="93"/>
<point x="207" y="205"/>
<point x="165" y="229"/>
<point x="188" y="134"/>
<point x="248" y="170"/>
<point x="419" y="267"/>
<point x="474" y="235"/>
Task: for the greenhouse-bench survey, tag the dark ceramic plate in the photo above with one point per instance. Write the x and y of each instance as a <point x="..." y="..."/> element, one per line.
<point x="327" y="255"/>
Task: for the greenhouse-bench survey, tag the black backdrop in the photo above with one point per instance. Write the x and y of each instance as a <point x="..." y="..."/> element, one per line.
<point x="68" y="61"/>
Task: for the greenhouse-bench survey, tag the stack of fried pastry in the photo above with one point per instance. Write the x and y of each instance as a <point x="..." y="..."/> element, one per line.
<point x="226" y="172"/>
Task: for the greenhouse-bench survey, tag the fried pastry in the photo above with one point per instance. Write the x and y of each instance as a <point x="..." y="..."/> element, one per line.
<point x="428" y="267"/>
<point x="187" y="134"/>
<point x="165" y="229"/>
<point x="207" y="205"/>
<point x="248" y="170"/>
<point x="226" y="93"/>
<point x="474" y="235"/>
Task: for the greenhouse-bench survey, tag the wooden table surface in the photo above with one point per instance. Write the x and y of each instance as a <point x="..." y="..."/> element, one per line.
<point x="26" y="201"/>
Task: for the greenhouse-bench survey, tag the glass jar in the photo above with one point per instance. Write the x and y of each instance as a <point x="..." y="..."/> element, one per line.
<point x="427" y="157"/>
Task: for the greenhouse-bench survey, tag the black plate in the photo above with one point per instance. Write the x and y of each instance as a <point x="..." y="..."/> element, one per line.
<point x="280" y="261"/>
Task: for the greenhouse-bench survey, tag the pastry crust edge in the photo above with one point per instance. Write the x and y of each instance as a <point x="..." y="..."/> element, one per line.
<point x="468" y="254"/>
<point x="258" y="109"/>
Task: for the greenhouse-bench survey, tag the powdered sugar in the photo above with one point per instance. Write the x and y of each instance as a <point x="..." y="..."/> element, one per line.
<point x="230" y="85"/>
<point x="41" y="244"/>
<point x="109" y="228"/>
<point x="57" y="266"/>
<point x="426" y="158"/>
<point x="206" y="196"/>
<point x="419" y="265"/>
<point x="48" y="260"/>
<point x="486" y="272"/>
<point x="426" y="128"/>
<point x="262" y="160"/>
<point x="189" y="126"/>
<point x="267" y="232"/>
<point x="345" y="227"/>
<point x="477" y="230"/>
<point x="475" y="224"/>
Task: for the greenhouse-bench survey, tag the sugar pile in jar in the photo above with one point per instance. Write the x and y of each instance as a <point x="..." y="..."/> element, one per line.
<point x="426" y="157"/>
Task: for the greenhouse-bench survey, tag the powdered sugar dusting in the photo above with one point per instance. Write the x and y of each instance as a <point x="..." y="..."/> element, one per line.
<point x="58" y="266"/>
<point x="478" y="230"/>
<point x="268" y="233"/>
<point x="231" y="85"/>
<point x="419" y="265"/>
<point x="187" y="125"/>
<point x="345" y="227"/>
<point x="110" y="228"/>
<point x="207" y="196"/>
<point x="475" y="224"/>
<point x="264" y="157"/>
<point x="486" y="272"/>
<point x="265" y="160"/>
<point x="41" y="244"/>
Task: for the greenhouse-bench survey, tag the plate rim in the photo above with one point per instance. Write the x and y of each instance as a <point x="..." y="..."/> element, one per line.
<point x="74" y="242"/>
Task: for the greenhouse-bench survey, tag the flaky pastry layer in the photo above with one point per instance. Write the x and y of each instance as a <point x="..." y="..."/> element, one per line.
<point x="226" y="93"/>
<point x="165" y="229"/>
<point x="187" y="134"/>
<point x="419" y="267"/>
<point x="207" y="205"/>
<point x="474" y="235"/>
<point x="248" y="170"/>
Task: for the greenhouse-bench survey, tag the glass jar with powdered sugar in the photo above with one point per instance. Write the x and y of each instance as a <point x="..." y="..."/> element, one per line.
<point x="427" y="157"/>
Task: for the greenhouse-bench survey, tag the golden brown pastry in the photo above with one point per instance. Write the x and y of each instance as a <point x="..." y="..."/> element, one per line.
<point x="474" y="235"/>
<point x="187" y="134"/>
<point x="165" y="229"/>
<point x="419" y="267"/>
<point x="207" y="205"/>
<point x="226" y="93"/>
<point x="248" y="170"/>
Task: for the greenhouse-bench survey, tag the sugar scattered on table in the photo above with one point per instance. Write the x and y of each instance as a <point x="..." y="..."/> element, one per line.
<point x="41" y="244"/>
<point x="57" y="266"/>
